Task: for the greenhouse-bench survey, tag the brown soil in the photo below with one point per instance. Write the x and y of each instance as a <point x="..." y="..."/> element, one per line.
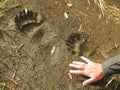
<point x="35" y="56"/>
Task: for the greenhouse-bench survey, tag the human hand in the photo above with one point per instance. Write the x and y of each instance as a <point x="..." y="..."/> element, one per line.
<point x="90" y="69"/>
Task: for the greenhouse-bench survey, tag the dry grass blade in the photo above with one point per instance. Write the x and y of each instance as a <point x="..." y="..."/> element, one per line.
<point x="4" y="85"/>
<point x="110" y="81"/>
<point x="101" y="5"/>
<point x="111" y="11"/>
<point x="2" y="3"/>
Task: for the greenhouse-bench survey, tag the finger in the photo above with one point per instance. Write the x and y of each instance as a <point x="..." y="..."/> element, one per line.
<point x="85" y="59"/>
<point x="76" y="72"/>
<point x="88" y="81"/>
<point x="76" y="62"/>
<point x="82" y="66"/>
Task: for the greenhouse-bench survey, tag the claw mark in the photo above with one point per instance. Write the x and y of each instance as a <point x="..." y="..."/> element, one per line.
<point x="27" y="17"/>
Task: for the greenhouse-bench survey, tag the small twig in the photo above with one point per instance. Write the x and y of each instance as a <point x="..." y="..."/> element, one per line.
<point x="13" y="76"/>
<point x="70" y="76"/>
<point x="21" y="46"/>
<point x="53" y="50"/>
<point x="110" y="81"/>
<point x="80" y="28"/>
<point x="88" y="2"/>
<point x="13" y="81"/>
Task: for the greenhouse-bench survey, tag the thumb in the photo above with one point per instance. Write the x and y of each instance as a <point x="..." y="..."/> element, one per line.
<point x="88" y="81"/>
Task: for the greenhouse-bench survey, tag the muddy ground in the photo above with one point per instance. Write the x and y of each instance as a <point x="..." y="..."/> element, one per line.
<point x="34" y="54"/>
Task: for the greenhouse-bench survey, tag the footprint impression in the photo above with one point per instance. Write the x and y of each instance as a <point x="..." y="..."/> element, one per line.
<point x="78" y="44"/>
<point x="29" y="22"/>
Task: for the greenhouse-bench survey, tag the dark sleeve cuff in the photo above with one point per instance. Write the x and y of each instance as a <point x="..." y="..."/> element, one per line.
<point x="111" y="66"/>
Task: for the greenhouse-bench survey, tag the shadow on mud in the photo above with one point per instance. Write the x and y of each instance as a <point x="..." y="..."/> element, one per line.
<point x="106" y="84"/>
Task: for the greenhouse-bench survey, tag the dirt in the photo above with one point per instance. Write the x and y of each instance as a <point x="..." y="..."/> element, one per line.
<point x="36" y="49"/>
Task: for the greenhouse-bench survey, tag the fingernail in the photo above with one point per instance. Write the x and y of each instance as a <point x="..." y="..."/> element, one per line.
<point x="69" y="64"/>
<point x="82" y="57"/>
<point x="84" y="84"/>
<point x="70" y="71"/>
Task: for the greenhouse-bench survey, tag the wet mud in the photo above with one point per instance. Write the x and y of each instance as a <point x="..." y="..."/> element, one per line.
<point x="37" y="43"/>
